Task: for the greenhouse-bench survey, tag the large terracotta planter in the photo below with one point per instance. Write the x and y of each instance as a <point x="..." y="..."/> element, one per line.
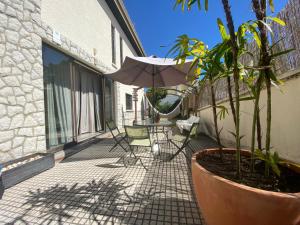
<point x="223" y="202"/>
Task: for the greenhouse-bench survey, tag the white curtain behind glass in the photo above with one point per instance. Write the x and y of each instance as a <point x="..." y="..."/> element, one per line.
<point x="88" y="101"/>
<point x="59" y="108"/>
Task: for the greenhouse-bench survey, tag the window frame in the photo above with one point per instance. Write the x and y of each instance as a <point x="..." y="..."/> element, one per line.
<point x="113" y="45"/>
<point x="121" y="51"/>
<point x="131" y="101"/>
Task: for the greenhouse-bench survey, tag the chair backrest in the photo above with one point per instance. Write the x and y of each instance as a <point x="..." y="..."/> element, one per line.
<point x="112" y="127"/>
<point x="137" y="132"/>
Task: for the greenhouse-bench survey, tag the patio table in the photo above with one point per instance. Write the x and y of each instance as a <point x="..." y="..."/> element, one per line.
<point x="155" y="126"/>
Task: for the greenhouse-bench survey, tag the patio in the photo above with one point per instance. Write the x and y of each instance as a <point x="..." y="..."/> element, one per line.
<point x="94" y="187"/>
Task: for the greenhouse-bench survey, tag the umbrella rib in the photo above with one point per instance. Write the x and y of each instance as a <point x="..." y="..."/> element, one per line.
<point x="179" y="70"/>
<point x="163" y="80"/>
<point x="135" y="78"/>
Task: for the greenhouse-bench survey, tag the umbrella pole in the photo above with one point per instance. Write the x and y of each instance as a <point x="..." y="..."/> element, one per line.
<point x="135" y="99"/>
<point x="153" y="92"/>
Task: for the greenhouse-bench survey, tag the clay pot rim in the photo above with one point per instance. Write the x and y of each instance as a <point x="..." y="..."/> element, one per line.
<point x="233" y="183"/>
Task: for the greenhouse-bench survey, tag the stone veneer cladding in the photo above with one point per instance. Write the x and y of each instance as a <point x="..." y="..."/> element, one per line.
<point x="22" y="116"/>
<point x="22" y="120"/>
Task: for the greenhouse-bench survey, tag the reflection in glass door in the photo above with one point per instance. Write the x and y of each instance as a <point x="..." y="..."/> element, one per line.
<point x="58" y="105"/>
<point x="74" y="99"/>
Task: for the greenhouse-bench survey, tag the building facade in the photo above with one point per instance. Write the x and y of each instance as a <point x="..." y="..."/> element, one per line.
<point x="53" y="54"/>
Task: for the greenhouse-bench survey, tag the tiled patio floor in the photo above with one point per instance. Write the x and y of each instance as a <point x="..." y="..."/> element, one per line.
<point x="94" y="187"/>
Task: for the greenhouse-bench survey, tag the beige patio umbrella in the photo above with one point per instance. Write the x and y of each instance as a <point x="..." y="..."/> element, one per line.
<point x="151" y="72"/>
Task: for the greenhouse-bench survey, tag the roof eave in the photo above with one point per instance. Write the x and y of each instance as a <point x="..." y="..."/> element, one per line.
<point x="118" y="9"/>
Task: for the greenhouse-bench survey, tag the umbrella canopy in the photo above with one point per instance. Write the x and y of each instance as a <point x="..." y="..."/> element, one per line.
<point x="151" y="72"/>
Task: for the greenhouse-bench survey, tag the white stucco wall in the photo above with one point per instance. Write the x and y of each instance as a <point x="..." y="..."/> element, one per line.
<point x="88" y="24"/>
<point x="285" y="127"/>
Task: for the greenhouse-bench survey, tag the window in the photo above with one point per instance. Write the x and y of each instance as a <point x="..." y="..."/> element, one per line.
<point x="128" y="102"/>
<point x="113" y="44"/>
<point x="121" y="51"/>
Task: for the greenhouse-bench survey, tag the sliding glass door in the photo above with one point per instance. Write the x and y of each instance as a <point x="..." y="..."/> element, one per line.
<point x="58" y="104"/>
<point x="74" y="99"/>
<point x="88" y="101"/>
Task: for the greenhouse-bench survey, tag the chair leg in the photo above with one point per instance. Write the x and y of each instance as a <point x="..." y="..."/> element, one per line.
<point x="138" y="158"/>
<point x="125" y="149"/>
<point x="113" y="147"/>
<point x="180" y="149"/>
<point x="119" y="142"/>
<point x="135" y="156"/>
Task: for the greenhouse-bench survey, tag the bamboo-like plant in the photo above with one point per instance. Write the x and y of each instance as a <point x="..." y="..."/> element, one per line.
<point x="233" y="42"/>
<point x="265" y="63"/>
<point x="209" y="69"/>
<point x="211" y="65"/>
<point x="231" y="49"/>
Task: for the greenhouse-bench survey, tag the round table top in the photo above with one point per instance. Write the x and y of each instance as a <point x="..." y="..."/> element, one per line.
<point x="162" y="123"/>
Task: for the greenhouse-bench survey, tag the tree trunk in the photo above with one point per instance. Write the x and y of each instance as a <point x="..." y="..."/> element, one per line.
<point x="269" y="117"/>
<point x="214" y="107"/>
<point x="255" y="119"/>
<point x="258" y="128"/>
<point x="260" y="7"/>
<point x="229" y="89"/>
<point x="236" y="76"/>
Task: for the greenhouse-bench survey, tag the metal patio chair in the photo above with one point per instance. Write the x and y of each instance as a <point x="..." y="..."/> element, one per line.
<point x="117" y="136"/>
<point x="184" y="140"/>
<point x="138" y="136"/>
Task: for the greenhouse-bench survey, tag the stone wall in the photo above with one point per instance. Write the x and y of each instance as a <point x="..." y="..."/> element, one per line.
<point x="22" y="119"/>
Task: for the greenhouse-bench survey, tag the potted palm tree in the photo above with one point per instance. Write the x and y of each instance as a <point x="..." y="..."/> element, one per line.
<point x="243" y="187"/>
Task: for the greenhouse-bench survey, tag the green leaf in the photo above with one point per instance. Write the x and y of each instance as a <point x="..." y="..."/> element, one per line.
<point x="193" y="65"/>
<point x="276" y="157"/>
<point x="276" y="43"/>
<point x="222" y="29"/>
<point x="255" y="34"/>
<point x="228" y="58"/>
<point x="241" y="33"/>
<point x="232" y="133"/>
<point x="275" y="169"/>
<point x="206" y="5"/>
<point x="272" y="76"/>
<point x="277" y="20"/>
<point x="223" y="111"/>
<point x="271" y="4"/>
<point x="247" y="98"/>
<point x="266" y="25"/>
<point x="260" y="155"/>
<point x="282" y="53"/>
<point x="274" y="161"/>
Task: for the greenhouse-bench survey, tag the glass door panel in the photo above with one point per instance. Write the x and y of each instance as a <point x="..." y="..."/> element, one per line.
<point x="58" y="104"/>
<point x="109" y="99"/>
<point x="88" y="101"/>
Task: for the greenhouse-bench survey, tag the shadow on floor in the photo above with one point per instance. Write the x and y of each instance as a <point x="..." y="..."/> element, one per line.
<point x="164" y="194"/>
<point x="104" y="202"/>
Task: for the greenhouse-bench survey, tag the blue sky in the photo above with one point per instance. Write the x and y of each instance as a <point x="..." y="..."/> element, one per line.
<point x="158" y="24"/>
